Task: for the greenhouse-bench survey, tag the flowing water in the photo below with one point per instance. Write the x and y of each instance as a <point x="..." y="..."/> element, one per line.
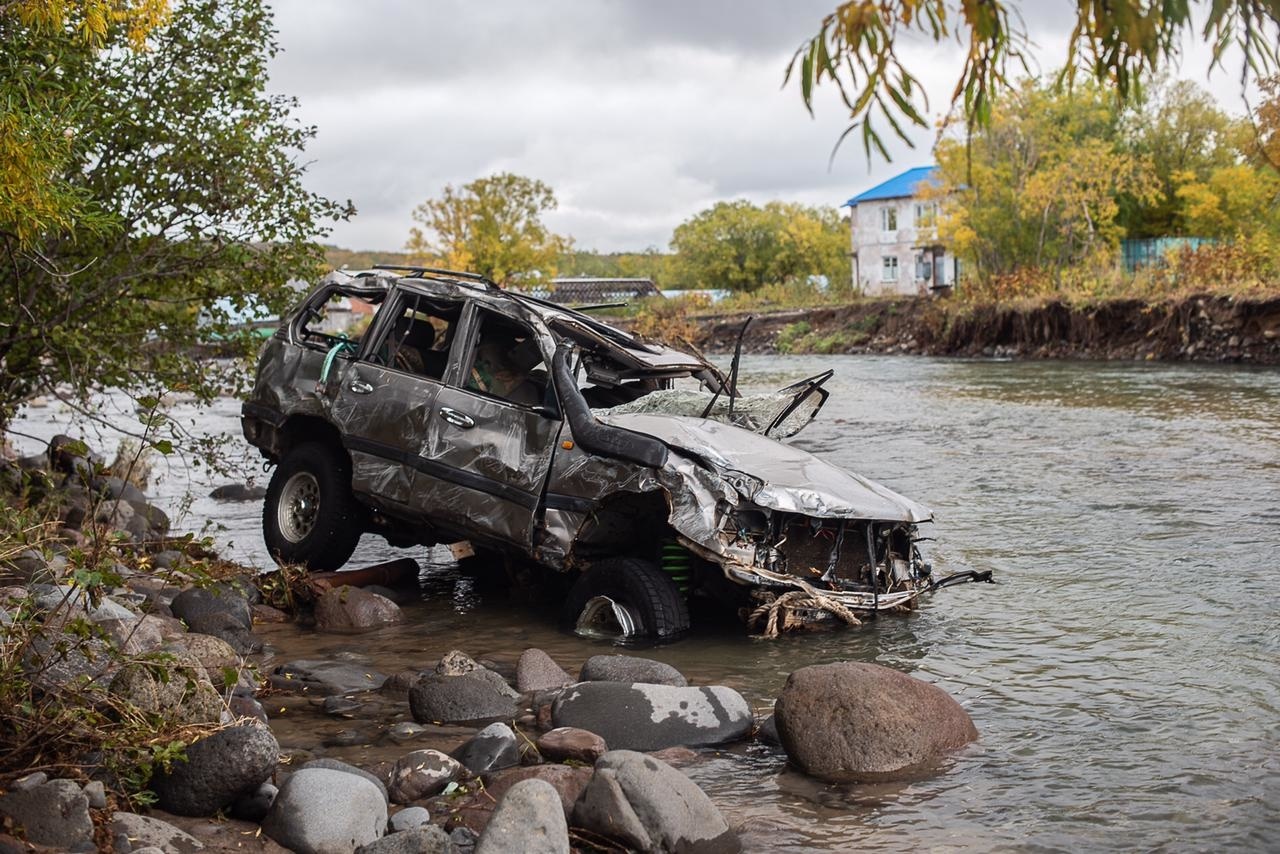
<point x="1123" y="673"/>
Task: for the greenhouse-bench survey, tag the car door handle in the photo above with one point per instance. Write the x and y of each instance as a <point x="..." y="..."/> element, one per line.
<point x="360" y="387"/>
<point x="456" y="418"/>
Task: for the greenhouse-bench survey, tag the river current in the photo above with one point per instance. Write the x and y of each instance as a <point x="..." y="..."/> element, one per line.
<point x="1124" y="672"/>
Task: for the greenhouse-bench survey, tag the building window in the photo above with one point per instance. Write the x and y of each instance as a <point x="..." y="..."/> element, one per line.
<point x="924" y="266"/>
<point x="889" y="270"/>
<point x="926" y="214"/>
<point x="889" y="219"/>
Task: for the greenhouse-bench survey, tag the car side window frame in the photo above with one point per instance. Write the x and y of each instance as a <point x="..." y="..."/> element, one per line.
<point x="460" y="367"/>
<point x="384" y="322"/>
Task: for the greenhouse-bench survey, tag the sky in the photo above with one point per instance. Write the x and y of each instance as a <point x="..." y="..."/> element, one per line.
<point x="637" y="113"/>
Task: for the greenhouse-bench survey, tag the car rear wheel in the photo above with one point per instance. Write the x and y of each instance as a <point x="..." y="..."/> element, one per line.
<point x="310" y="516"/>
<point x="628" y="599"/>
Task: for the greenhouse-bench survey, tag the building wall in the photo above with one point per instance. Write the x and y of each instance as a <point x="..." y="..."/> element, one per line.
<point x="872" y="243"/>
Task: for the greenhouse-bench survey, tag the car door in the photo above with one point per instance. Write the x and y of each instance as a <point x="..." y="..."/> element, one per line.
<point x="490" y="443"/>
<point x="385" y="402"/>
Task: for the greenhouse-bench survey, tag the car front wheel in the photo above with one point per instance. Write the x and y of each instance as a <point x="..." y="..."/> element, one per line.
<point x="628" y="599"/>
<point x="310" y="516"/>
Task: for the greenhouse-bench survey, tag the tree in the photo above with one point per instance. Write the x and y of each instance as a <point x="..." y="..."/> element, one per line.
<point x="1117" y="44"/>
<point x="492" y="226"/>
<point x="1265" y="147"/>
<point x="37" y="110"/>
<point x="186" y="202"/>
<point x="1179" y="129"/>
<point x="740" y="246"/>
<point x="1041" y="185"/>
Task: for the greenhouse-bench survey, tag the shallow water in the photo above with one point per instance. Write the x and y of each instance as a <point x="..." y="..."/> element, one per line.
<point x="1122" y="673"/>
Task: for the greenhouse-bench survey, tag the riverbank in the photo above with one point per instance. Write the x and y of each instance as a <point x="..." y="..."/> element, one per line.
<point x="153" y="697"/>
<point x="1206" y="328"/>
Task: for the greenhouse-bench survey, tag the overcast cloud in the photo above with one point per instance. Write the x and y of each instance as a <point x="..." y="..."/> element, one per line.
<point x="638" y="113"/>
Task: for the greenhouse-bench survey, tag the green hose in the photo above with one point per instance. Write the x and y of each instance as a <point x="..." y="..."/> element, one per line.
<point x="677" y="563"/>
<point x="329" y="357"/>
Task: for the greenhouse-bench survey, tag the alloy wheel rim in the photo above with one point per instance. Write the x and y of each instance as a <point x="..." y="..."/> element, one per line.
<point x="298" y="507"/>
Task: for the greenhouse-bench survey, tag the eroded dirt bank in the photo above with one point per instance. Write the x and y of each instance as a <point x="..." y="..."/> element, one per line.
<point x="1199" y="328"/>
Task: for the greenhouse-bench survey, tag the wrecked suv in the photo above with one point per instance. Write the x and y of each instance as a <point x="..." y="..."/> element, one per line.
<point x="453" y="410"/>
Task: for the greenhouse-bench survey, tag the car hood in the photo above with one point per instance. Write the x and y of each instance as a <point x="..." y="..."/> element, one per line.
<point x="791" y="480"/>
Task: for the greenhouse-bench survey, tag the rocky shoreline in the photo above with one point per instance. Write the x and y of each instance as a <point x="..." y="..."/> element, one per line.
<point x="1205" y="328"/>
<point x="495" y="756"/>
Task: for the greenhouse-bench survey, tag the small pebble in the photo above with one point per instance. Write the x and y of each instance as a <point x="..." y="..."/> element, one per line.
<point x="410" y="818"/>
<point x="97" y="794"/>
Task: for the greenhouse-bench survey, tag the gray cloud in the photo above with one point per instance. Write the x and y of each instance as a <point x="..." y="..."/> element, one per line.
<point x="638" y="114"/>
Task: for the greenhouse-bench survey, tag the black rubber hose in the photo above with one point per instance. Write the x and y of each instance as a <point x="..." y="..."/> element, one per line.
<point x="589" y="433"/>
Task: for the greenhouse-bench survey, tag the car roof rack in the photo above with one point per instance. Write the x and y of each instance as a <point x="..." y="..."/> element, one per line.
<point x="423" y="272"/>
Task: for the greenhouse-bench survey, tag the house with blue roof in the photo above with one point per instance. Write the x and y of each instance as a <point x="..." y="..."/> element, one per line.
<point x="894" y="235"/>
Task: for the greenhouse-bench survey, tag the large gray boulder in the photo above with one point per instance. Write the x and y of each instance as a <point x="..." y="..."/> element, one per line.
<point x="339" y="765"/>
<point x="55" y="814"/>
<point x="536" y="671"/>
<point x="215" y="655"/>
<point x="218" y="770"/>
<point x="180" y="690"/>
<point x="458" y="699"/>
<point x="857" y="721"/>
<point x="325" y="678"/>
<point x="630" y="668"/>
<point x="421" y="774"/>
<point x="349" y="610"/>
<point x="491" y="749"/>
<point x="649" y="806"/>
<point x="221" y="611"/>
<point x="528" y="820"/>
<point x="197" y="603"/>
<point x="321" y="811"/>
<point x="143" y="831"/>
<point x="651" y="717"/>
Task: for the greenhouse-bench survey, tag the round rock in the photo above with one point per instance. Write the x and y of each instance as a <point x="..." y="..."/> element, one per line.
<point x="421" y="774"/>
<point x="410" y="818"/>
<point x="630" y="668"/>
<point x="218" y="769"/>
<point x="492" y="748"/>
<point x="321" y="811"/>
<point x="536" y="671"/>
<point x="350" y="609"/>
<point x="528" y="820"/>
<point x="457" y="699"/>
<point x="651" y="717"/>
<point x="568" y="742"/>
<point x="856" y="721"/>
<point x="650" y="806"/>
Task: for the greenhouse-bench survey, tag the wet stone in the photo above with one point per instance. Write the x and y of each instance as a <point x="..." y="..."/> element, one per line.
<point x="323" y="678"/>
<point x="492" y="748"/>
<point x="651" y="717"/>
<point x="350" y="609"/>
<point x="346" y="738"/>
<point x="564" y="743"/>
<point x="630" y="668"/>
<point x="858" y="721"/>
<point x="405" y="731"/>
<point x="341" y="707"/>
<point x="457" y="699"/>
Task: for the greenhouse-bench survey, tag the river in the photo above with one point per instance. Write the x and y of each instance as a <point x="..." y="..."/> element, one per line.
<point x="1122" y="672"/>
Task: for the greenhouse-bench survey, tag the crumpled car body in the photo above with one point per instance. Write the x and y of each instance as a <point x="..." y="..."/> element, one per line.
<point x="538" y="432"/>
